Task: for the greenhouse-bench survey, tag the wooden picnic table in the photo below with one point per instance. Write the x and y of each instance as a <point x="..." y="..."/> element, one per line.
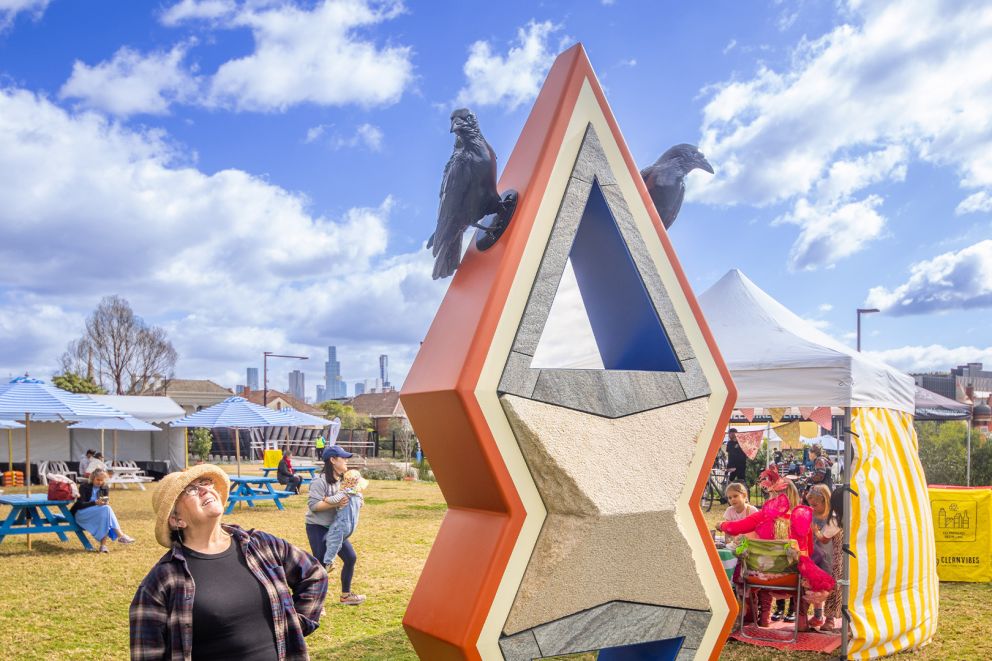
<point x="32" y="515"/>
<point x="252" y="488"/>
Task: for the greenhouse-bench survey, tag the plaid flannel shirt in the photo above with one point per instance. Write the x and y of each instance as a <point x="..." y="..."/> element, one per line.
<point x="162" y="609"/>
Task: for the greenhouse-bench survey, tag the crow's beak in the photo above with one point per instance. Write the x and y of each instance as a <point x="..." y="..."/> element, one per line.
<point x="703" y="164"/>
<point x="454" y="125"/>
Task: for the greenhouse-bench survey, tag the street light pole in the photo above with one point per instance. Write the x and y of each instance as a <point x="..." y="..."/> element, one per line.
<point x="862" y="311"/>
<point x="265" y="371"/>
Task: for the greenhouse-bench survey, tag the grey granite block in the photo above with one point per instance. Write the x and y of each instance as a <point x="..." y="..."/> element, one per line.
<point x="693" y="382"/>
<point x="520" y="647"/>
<point x="694" y="626"/>
<point x="610" y="625"/>
<point x="608" y="393"/>
<point x="686" y="654"/>
<point x="591" y="162"/>
<point x="518" y="378"/>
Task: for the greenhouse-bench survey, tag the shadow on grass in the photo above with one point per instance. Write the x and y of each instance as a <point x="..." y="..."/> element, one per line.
<point x="391" y="645"/>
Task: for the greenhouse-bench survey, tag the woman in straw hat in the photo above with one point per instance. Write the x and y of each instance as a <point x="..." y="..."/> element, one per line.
<point x="221" y="592"/>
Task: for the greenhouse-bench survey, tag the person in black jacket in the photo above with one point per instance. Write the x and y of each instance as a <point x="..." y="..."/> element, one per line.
<point x="736" y="459"/>
<point x="285" y="473"/>
<point x="93" y="513"/>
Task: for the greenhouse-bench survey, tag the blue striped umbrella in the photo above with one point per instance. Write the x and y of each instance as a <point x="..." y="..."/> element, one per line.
<point x="130" y="423"/>
<point x="301" y="419"/>
<point x="30" y="399"/>
<point x="235" y="413"/>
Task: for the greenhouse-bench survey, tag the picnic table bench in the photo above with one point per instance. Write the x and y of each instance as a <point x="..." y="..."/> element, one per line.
<point x="252" y="488"/>
<point x="127" y="472"/>
<point x="30" y="515"/>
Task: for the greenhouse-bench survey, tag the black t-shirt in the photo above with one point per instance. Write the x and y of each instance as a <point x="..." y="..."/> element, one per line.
<point x="232" y="615"/>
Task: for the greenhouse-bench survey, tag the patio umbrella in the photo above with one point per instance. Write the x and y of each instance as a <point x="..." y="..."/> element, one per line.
<point x="30" y="399"/>
<point x="130" y="423"/>
<point x="235" y="413"/>
<point x="10" y="426"/>
<point x="304" y="419"/>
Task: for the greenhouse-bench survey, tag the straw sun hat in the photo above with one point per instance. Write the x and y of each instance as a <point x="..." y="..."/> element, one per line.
<point x="171" y="487"/>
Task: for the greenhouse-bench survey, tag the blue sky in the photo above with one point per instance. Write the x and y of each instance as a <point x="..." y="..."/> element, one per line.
<point x="262" y="175"/>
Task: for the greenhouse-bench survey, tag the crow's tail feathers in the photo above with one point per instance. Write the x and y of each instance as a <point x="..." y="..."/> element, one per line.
<point x="447" y="257"/>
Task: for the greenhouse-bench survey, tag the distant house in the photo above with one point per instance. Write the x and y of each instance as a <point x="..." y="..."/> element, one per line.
<point x="381" y="407"/>
<point x="193" y="394"/>
<point x="280" y="400"/>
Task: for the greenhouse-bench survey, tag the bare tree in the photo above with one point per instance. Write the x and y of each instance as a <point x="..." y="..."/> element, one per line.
<point x="120" y="351"/>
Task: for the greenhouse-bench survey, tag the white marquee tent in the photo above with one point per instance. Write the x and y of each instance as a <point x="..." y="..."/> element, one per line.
<point x="776" y="359"/>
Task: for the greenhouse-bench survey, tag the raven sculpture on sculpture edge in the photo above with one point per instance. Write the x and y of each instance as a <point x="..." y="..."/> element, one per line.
<point x="468" y="194"/>
<point x="665" y="179"/>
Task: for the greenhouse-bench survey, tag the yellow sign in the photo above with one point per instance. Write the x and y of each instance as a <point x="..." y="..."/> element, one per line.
<point x="962" y="525"/>
<point x="271" y="458"/>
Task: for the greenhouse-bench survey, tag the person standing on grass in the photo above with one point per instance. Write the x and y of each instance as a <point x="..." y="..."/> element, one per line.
<point x="93" y="513"/>
<point x="736" y="458"/>
<point x="326" y="498"/>
<point x="221" y="593"/>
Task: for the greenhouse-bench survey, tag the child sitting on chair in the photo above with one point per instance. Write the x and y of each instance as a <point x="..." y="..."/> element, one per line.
<point x="739" y="509"/>
<point x="352" y="485"/>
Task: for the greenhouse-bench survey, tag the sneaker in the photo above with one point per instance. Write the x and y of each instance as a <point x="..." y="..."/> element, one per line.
<point x="790" y="618"/>
<point x="329" y="566"/>
<point x="816" y="622"/>
<point x="777" y="615"/>
<point x="352" y="599"/>
<point x="104" y="549"/>
<point x="828" y="625"/>
<point x="126" y="539"/>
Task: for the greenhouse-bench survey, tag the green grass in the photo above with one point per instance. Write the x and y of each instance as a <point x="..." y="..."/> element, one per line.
<point x="61" y="603"/>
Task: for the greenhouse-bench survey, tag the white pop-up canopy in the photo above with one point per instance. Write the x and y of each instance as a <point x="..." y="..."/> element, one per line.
<point x="778" y="359"/>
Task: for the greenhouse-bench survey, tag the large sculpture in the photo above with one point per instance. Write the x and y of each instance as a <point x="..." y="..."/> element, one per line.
<point x="572" y="476"/>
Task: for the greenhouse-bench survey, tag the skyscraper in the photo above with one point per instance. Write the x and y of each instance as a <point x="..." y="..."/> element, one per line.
<point x="320" y="393"/>
<point x="252" y="380"/>
<point x="297" y="385"/>
<point x="334" y="387"/>
<point x="384" y="370"/>
<point x="359" y="388"/>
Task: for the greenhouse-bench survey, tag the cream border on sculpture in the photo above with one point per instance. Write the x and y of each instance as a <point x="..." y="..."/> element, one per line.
<point x="587" y="111"/>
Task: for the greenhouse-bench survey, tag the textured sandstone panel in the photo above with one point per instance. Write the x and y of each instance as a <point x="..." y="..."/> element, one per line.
<point x="611" y="533"/>
<point x="587" y="465"/>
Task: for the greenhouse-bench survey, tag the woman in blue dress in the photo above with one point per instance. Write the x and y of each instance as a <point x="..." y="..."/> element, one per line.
<point x="94" y="514"/>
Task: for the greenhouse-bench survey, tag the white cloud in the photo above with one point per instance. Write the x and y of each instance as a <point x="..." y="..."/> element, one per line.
<point x="369" y="135"/>
<point x="132" y="83"/>
<point x="227" y="255"/>
<point x="9" y="9"/>
<point x="731" y="45"/>
<point x="188" y="10"/>
<point x="954" y="280"/>
<point x="831" y="232"/>
<point x="932" y="358"/>
<point x="901" y="81"/>
<point x="314" y="133"/>
<point x="975" y="203"/>
<point x="313" y="56"/>
<point x="825" y="307"/>
<point x="512" y="79"/>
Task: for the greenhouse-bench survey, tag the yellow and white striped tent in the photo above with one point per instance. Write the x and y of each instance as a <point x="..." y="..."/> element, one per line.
<point x="779" y="360"/>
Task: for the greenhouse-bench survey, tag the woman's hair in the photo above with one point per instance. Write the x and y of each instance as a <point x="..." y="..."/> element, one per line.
<point x="99" y="472"/>
<point x="737" y="487"/>
<point x="329" y="475"/>
<point x="286" y="453"/>
<point x="821" y="491"/>
<point x="837" y="506"/>
<point x="791" y="493"/>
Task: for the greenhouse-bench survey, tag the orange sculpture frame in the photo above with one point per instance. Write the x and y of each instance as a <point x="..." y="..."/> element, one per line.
<point x="455" y="592"/>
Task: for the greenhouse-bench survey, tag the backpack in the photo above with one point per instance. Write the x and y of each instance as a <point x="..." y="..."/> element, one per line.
<point x="61" y="488"/>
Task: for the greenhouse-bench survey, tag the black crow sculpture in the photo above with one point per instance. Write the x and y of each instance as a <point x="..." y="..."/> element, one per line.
<point x="468" y="194"/>
<point x="666" y="179"/>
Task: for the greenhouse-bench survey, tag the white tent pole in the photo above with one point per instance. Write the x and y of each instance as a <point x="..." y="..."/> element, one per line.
<point x="968" y="470"/>
<point x="101" y="444"/>
<point x="846" y="572"/>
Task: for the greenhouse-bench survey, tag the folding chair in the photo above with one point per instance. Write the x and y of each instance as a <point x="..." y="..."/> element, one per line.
<point x="772" y="566"/>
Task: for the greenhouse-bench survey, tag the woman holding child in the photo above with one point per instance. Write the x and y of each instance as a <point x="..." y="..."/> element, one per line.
<point x="326" y="499"/>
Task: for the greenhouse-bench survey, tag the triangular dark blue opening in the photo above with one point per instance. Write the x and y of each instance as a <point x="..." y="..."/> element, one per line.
<point x="625" y="324"/>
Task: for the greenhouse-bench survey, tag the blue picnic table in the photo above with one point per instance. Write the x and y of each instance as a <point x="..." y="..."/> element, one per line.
<point x="252" y="488"/>
<point x="33" y="515"/>
<point x="309" y="470"/>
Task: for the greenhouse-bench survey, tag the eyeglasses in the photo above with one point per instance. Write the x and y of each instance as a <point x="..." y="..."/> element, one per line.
<point x="194" y="487"/>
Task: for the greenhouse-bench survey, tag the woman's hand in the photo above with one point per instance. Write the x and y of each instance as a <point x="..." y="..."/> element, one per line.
<point x="343" y="503"/>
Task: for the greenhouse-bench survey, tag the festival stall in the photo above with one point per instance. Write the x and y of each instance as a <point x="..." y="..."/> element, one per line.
<point x="779" y="360"/>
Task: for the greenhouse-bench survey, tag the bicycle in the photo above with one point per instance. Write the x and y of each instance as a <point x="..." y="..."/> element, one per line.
<point x="716" y="487"/>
